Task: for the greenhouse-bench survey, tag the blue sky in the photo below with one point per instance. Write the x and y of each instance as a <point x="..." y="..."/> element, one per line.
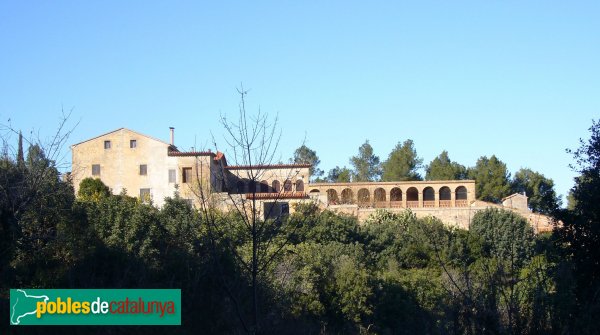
<point x="519" y="79"/>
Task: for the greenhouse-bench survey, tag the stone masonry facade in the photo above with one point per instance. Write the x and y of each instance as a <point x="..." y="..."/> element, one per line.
<point x="152" y="169"/>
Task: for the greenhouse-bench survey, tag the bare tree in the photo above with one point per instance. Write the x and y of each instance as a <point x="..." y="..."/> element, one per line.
<point x="251" y="142"/>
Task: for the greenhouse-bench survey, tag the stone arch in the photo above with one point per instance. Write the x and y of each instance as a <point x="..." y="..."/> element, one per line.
<point x="287" y="186"/>
<point x="428" y="197"/>
<point x="264" y="186"/>
<point x="461" y="193"/>
<point x="299" y="185"/>
<point x="379" y="195"/>
<point x="276" y="185"/>
<point x="445" y="197"/>
<point x="428" y="194"/>
<point x="412" y="197"/>
<point x="412" y="194"/>
<point x="445" y="193"/>
<point x="347" y="196"/>
<point x="314" y="193"/>
<point x="364" y="197"/>
<point x="379" y="198"/>
<point x="396" y="194"/>
<point x="332" y="197"/>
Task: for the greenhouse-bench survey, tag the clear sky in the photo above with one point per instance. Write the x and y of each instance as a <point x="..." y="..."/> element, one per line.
<point x="519" y="79"/>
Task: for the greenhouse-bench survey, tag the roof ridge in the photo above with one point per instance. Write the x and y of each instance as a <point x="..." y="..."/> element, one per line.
<point x="119" y="129"/>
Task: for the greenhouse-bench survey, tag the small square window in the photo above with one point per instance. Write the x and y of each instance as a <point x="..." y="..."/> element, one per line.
<point x="145" y="194"/>
<point x="106" y="144"/>
<point x="143" y="170"/>
<point x="95" y="169"/>
<point x="187" y="175"/>
<point x="133" y="144"/>
<point x="172" y="176"/>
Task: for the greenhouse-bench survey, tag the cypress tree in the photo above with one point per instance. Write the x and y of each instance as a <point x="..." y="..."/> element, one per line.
<point x="20" y="156"/>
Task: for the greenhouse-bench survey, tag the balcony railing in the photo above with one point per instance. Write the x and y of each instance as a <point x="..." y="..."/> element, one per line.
<point x="381" y="204"/>
<point x="461" y="203"/>
<point x="429" y="203"/>
<point x="396" y="204"/>
<point x="445" y="203"/>
<point x="282" y="195"/>
<point x="412" y="204"/>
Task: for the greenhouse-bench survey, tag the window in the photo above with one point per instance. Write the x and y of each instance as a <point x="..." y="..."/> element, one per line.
<point x="145" y="194"/>
<point x="172" y="176"/>
<point x="95" y="169"/>
<point x="276" y="186"/>
<point x="275" y="210"/>
<point x="143" y="170"/>
<point x="133" y="144"/>
<point x="287" y="186"/>
<point x="299" y="185"/>
<point x="187" y="175"/>
<point x="106" y="144"/>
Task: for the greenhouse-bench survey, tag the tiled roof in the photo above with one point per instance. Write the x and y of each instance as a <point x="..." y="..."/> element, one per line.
<point x="282" y="195"/>
<point x="219" y="155"/>
<point x="190" y="153"/>
<point x="269" y="166"/>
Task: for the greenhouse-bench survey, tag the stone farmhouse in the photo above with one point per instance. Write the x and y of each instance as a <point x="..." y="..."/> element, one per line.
<point x="150" y="168"/>
<point x="144" y="166"/>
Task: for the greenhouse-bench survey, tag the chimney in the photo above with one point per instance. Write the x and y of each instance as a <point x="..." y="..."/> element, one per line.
<point x="172" y="129"/>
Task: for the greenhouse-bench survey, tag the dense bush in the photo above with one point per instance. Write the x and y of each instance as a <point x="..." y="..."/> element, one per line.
<point x="393" y="274"/>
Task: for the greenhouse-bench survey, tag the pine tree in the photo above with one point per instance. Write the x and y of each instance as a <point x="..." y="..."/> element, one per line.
<point x="402" y="163"/>
<point x="366" y="164"/>
<point x="442" y="168"/>
<point x="492" y="179"/>
<point x="581" y="229"/>
<point x="305" y="155"/>
<point x="539" y="189"/>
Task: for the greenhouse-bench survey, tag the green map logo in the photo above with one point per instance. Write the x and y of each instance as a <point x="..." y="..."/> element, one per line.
<point x="24" y="305"/>
<point x="95" y="307"/>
